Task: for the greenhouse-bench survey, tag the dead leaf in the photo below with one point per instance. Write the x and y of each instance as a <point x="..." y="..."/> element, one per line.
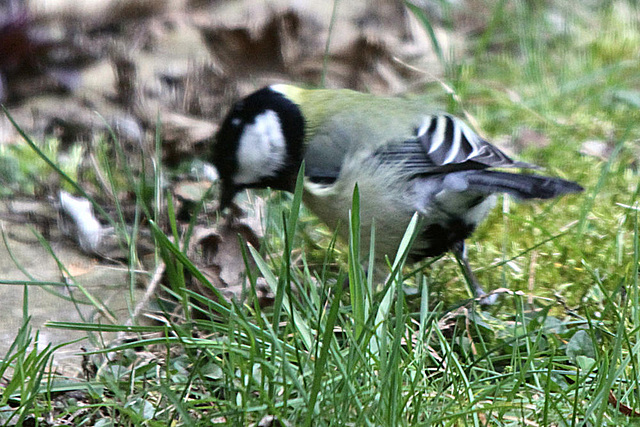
<point x="275" y="47"/>
<point x="217" y="252"/>
<point x="184" y="137"/>
<point x="622" y="408"/>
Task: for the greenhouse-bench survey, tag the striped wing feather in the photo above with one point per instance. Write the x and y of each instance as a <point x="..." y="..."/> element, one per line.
<point x="445" y="144"/>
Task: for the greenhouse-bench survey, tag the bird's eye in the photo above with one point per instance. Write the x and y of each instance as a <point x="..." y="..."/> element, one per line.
<point x="236" y="122"/>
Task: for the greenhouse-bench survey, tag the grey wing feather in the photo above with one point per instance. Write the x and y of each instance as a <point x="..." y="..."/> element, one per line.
<point x="445" y="144"/>
<point x="323" y="159"/>
<point x="518" y="185"/>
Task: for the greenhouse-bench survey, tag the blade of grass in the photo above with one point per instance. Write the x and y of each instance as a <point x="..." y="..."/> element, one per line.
<point x="422" y="17"/>
<point x="325" y="57"/>
<point x="395" y="281"/>
<point x="292" y="312"/>
<point x="356" y="283"/>
<point x="289" y="225"/>
<point x="167" y="244"/>
<point x="320" y="365"/>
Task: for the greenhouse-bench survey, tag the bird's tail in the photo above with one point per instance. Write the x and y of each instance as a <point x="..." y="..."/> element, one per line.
<point x="519" y="185"/>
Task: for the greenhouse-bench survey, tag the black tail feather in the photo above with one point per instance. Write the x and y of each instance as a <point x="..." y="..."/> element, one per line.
<point x="519" y="185"/>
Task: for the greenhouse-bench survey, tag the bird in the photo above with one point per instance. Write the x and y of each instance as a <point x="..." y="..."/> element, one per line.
<point x="404" y="156"/>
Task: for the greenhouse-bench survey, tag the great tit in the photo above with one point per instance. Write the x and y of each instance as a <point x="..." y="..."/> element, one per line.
<point x="404" y="158"/>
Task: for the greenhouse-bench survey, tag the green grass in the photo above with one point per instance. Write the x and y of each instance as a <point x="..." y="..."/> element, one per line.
<point x="549" y="354"/>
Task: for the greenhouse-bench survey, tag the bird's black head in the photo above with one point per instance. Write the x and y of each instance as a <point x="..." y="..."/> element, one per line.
<point x="259" y="145"/>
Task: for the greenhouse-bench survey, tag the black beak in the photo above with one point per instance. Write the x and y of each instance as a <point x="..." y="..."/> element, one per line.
<point x="227" y="192"/>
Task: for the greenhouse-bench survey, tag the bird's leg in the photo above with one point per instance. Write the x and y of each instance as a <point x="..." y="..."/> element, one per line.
<point x="459" y="250"/>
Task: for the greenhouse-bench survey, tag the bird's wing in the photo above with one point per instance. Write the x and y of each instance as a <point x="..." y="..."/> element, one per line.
<point x="324" y="159"/>
<point x="445" y="144"/>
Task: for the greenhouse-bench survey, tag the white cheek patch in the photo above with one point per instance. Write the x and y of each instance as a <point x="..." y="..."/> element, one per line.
<point x="261" y="150"/>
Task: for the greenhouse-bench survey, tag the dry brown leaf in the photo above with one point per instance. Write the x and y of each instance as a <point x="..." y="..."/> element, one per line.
<point x="274" y="47"/>
<point x="184" y="137"/>
<point x="386" y="17"/>
<point x="78" y="269"/>
<point x="217" y="252"/>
